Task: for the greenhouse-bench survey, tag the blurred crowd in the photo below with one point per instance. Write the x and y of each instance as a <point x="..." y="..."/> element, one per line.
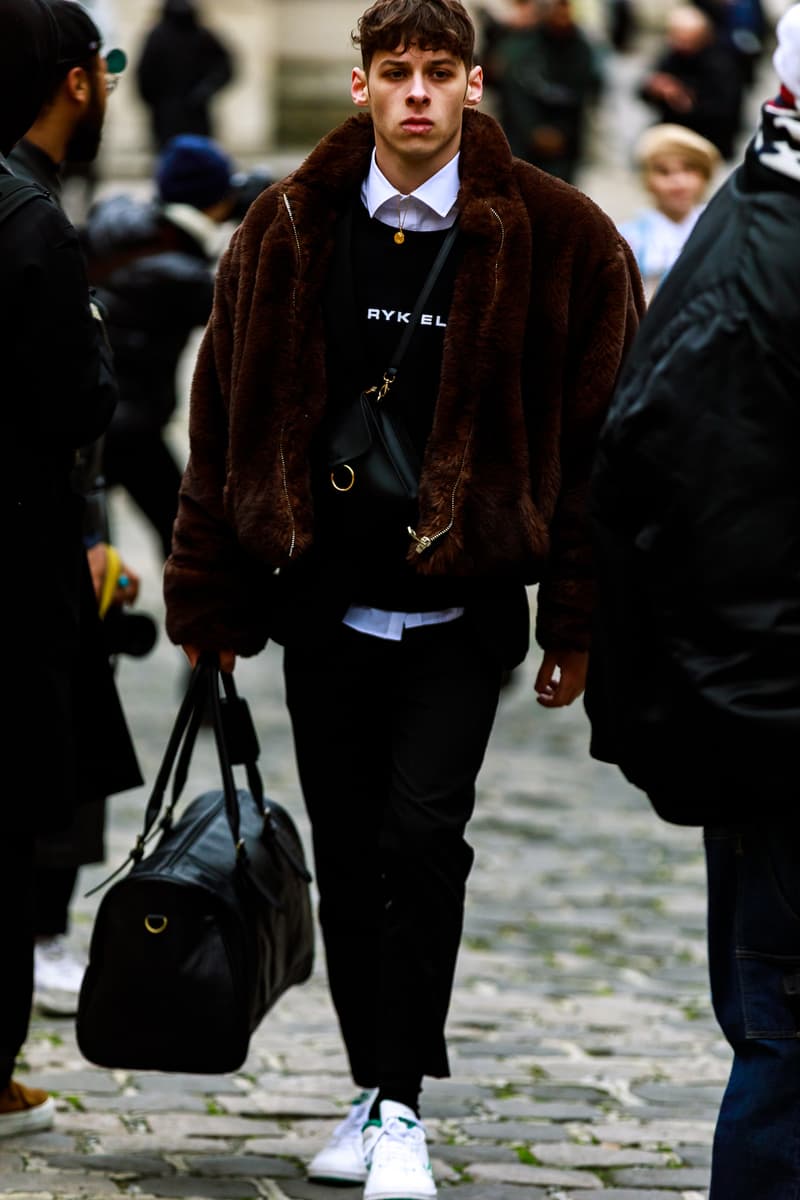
<point x="548" y="71"/>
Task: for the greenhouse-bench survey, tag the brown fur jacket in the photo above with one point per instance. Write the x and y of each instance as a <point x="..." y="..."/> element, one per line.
<point x="546" y="302"/>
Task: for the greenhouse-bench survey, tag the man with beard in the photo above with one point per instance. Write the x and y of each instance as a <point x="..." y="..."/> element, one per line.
<point x="68" y="129"/>
<point x="59" y="395"/>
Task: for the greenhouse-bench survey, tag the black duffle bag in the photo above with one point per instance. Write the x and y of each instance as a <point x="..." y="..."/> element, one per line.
<point x="199" y="939"/>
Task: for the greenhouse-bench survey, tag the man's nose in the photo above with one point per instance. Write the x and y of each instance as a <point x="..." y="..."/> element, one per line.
<point x="418" y="91"/>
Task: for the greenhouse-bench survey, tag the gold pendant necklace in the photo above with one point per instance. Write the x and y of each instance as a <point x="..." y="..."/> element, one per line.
<point x="399" y="236"/>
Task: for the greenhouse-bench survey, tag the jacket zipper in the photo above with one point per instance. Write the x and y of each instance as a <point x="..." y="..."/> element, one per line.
<point x="288" y="207"/>
<point x="499" y="220"/>
<point x="286" y="496"/>
<point x="424" y="542"/>
<point x="284" y="477"/>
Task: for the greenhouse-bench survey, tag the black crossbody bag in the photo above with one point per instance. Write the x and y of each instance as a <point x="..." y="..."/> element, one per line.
<point x="371" y="460"/>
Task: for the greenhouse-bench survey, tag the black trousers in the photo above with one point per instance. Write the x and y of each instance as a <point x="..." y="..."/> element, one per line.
<point x="16" y="947"/>
<point x="389" y="738"/>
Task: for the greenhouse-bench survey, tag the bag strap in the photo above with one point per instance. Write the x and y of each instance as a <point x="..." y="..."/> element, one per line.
<point x="236" y="730"/>
<point x="422" y="299"/>
<point x="390" y="374"/>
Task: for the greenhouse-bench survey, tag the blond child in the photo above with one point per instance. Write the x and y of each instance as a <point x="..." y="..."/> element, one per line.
<point x="677" y="167"/>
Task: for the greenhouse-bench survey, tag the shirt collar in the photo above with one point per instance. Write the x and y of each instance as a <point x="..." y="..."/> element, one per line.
<point x="437" y="193"/>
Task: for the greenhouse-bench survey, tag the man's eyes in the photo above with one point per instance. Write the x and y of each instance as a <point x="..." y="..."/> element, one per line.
<point x="440" y="73"/>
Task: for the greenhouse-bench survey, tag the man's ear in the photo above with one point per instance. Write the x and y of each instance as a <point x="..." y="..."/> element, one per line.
<point x="474" y="88"/>
<point x="359" y="91"/>
<point x="77" y="85"/>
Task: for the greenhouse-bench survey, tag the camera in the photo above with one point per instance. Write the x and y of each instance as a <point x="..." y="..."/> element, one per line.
<point x="129" y="633"/>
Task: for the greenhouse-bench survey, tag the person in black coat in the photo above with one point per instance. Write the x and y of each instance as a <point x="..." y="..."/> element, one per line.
<point x="696" y="80"/>
<point x="546" y="74"/>
<point x="694" y="676"/>
<point x="181" y="68"/>
<point x="153" y="265"/>
<point x="59" y="393"/>
<point x="71" y="123"/>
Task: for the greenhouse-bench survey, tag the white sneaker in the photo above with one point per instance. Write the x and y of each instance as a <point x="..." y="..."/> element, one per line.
<point x="57" y="977"/>
<point x="342" y="1159"/>
<point x="397" y="1156"/>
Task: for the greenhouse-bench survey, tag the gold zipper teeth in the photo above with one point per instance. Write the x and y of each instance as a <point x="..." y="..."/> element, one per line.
<point x="286" y="496"/>
<point x="426" y="541"/>
<point x="287" y="205"/>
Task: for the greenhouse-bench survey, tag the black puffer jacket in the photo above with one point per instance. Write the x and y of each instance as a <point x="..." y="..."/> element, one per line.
<point x="156" y="284"/>
<point x="694" y="683"/>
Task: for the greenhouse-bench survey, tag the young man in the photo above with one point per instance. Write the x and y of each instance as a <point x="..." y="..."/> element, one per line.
<point x="397" y="629"/>
<point x="694" y="686"/>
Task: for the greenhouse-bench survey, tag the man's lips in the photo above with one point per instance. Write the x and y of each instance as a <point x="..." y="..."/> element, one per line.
<point x="417" y="124"/>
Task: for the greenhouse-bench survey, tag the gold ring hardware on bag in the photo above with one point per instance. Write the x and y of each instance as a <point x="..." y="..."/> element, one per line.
<point x="155" y="923"/>
<point x="350" y="482"/>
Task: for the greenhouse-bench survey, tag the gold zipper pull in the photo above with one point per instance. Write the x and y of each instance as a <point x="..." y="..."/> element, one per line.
<point x="388" y="380"/>
<point x="422" y="543"/>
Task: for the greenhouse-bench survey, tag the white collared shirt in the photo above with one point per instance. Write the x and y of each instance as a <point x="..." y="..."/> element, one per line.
<point x="429" y="208"/>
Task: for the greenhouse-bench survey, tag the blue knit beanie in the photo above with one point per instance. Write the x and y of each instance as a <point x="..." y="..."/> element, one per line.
<point x="193" y="170"/>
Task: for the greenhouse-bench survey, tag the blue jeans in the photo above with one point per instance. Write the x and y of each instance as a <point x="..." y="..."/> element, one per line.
<point x="754" y="961"/>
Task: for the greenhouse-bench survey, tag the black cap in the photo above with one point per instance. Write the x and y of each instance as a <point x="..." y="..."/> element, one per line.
<point x="79" y="39"/>
<point x="27" y="60"/>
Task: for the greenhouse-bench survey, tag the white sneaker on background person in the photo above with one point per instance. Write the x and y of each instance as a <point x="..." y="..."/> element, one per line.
<point x="396" y="1151"/>
<point x="342" y="1160"/>
<point x="57" y="976"/>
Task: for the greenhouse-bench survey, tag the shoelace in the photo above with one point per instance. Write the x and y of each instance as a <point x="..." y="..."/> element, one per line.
<point x="399" y="1137"/>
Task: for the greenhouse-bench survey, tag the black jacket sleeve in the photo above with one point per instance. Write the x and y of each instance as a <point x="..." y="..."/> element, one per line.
<point x="58" y="362"/>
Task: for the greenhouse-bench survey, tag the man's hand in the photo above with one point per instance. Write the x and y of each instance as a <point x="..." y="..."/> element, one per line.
<point x="227" y="658"/>
<point x="672" y="91"/>
<point x="561" y="678"/>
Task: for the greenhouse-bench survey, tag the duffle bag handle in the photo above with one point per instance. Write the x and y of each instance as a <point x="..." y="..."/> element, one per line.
<point x="236" y="731"/>
<point x="186" y="713"/>
<point x="247" y="856"/>
<point x="239" y="740"/>
<point x="203" y="689"/>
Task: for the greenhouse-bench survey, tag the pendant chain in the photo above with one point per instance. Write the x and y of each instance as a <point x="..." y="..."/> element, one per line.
<point x="400" y="236"/>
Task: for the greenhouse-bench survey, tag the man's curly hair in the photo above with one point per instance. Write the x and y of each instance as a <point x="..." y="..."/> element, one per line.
<point x="428" y="24"/>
